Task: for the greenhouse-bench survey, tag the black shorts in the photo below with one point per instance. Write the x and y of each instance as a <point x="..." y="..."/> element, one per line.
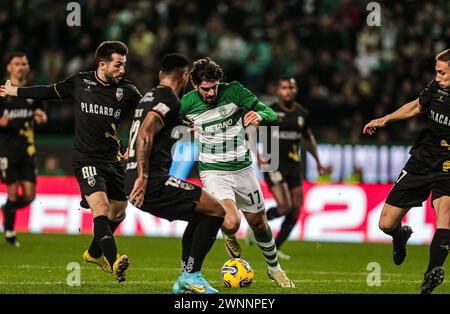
<point x="100" y="177"/>
<point x="413" y="186"/>
<point x="170" y="198"/>
<point x="292" y="177"/>
<point x="17" y="168"/>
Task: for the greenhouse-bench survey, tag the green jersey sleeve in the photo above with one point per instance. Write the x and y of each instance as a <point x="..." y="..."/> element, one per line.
<point x="249" y="101"/>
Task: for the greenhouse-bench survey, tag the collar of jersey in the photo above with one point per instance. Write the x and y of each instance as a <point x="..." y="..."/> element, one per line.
<point x="100" y="80"/>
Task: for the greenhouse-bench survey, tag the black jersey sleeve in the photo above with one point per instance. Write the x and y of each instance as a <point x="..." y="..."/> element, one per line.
<point x="133" y="99"/>
<point x="168" y="109"/>
<point x="61" y="89"/>
<point x="426" y="95"/>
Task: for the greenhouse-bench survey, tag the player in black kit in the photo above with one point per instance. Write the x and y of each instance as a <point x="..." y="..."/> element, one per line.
<point x="286" y="182"/>
<point x="17" y="149"/>
<point x="101" y="98"/>
<point x="153" y="190"/>
<point x="427" y="170"/>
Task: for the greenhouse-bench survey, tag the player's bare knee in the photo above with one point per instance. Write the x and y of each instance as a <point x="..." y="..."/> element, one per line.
<point x="385" y="225"/>
<point x="117" y="216"/>
<point x="231" y="224"/>
<point x="284" y="209"/>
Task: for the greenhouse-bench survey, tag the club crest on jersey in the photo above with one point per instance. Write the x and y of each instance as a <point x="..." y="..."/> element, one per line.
<point x="91" y="181"/>
<point x="300" y="121"/>
<point x="30" y="101"/>
<point x="223" y="111"/>
<point x="119" y="93"/>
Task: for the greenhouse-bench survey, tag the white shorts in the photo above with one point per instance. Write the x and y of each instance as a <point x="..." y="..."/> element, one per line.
<point x="241" y="186"/>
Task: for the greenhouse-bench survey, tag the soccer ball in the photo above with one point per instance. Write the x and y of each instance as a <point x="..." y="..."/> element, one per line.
<point x="236" y="273"/>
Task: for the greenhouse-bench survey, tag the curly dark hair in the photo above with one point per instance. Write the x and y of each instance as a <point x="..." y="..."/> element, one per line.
<point x="205" y="70"/>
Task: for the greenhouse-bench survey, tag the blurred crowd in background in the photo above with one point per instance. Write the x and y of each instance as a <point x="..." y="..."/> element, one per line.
<point x="348" y="72"/>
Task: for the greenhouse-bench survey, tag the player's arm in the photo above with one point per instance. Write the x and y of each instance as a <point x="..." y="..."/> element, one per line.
<point x="406" y="111"/>
<point x="310" y="144"/>
<point x="151" y="126"/>
<point x="260" y="113"/>
<point x="41" y="92"/>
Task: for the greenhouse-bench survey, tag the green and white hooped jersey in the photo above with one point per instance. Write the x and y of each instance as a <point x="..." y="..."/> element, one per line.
<point x="219" y="127"/>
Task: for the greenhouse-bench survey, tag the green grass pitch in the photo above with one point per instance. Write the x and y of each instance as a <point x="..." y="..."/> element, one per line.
<point x="39" y="266"/>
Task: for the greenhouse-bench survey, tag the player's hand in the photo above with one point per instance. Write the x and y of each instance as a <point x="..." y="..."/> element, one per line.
<point x="262" y="163"/>
<point x="8" y="89"/>
<point x="40" y="116"/>
<point x="372" y="126"/>
<point x="322" y="170"/>
<point x="253" y="118"/>
<point x="4" y="120"/>
<point x="127" y="154"/>
<point x="138" y="193"/>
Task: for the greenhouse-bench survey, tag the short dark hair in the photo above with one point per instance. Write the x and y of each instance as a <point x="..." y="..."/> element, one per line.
<point x="173" y="62"/>
<point x="107" y="48"/>
<point x="206" y="70"/>
<point x="444" y="56"/>
<point x="286" y="78"/>
<point x="15" y="54"/>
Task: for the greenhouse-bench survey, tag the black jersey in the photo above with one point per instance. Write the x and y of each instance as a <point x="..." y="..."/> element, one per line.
<point x="292" y="123"/>
<point x="432" y="147"/>
<point x="17" y="138"/>
<point x="99" y="108"/>
<point x="166" y="104"/>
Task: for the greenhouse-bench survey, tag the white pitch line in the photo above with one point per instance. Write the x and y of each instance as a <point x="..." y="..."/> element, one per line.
<point x="176" y="269"/>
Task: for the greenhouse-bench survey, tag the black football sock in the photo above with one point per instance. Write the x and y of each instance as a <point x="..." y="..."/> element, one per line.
<point x="9" y="215"/>
<point x="272" y="213"/>
<point x="286" y="227"/>
<point x="396" y="233"/>
<point x="202" y="241"/>
<point x="95" y="250"/>
<point x="186" y="242"/>
<point x="440" y="245"/>
<point x="20" y="203"/>
<point x="105" y="238"/>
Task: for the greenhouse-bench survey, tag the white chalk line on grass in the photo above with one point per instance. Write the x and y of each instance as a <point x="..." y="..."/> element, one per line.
<point x="169" y="282"/>
<point x="176" y="269"/>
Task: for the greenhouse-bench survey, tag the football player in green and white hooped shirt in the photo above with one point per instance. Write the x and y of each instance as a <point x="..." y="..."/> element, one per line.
<point x="216" y="111"/>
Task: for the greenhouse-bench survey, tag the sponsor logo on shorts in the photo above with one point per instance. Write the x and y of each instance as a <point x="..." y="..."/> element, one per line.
<point x="89" y="173"/>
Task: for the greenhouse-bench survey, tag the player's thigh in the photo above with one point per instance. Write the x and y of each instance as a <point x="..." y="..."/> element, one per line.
<point x="28" y="190"/>
<point x="442" y="208"/>
<point x="280" y="192"/>
<point x="209" y="205"/>
<point x="27" y="170"/>
<point x="117" y="210"/>
<point x="219" y="184"/>
<point x="9" y="170"/>
<point x="12" y="189"/>
<point x="249" y="197"/>
<point x="440" y="200"/>
<point x="91" y="179"/>
<point x="297" y="197"/>
<point x="115" y="183"/>
<point x="391" y="216"/>
<point x="232" y="220"/>
<point x="98" y="203"/>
